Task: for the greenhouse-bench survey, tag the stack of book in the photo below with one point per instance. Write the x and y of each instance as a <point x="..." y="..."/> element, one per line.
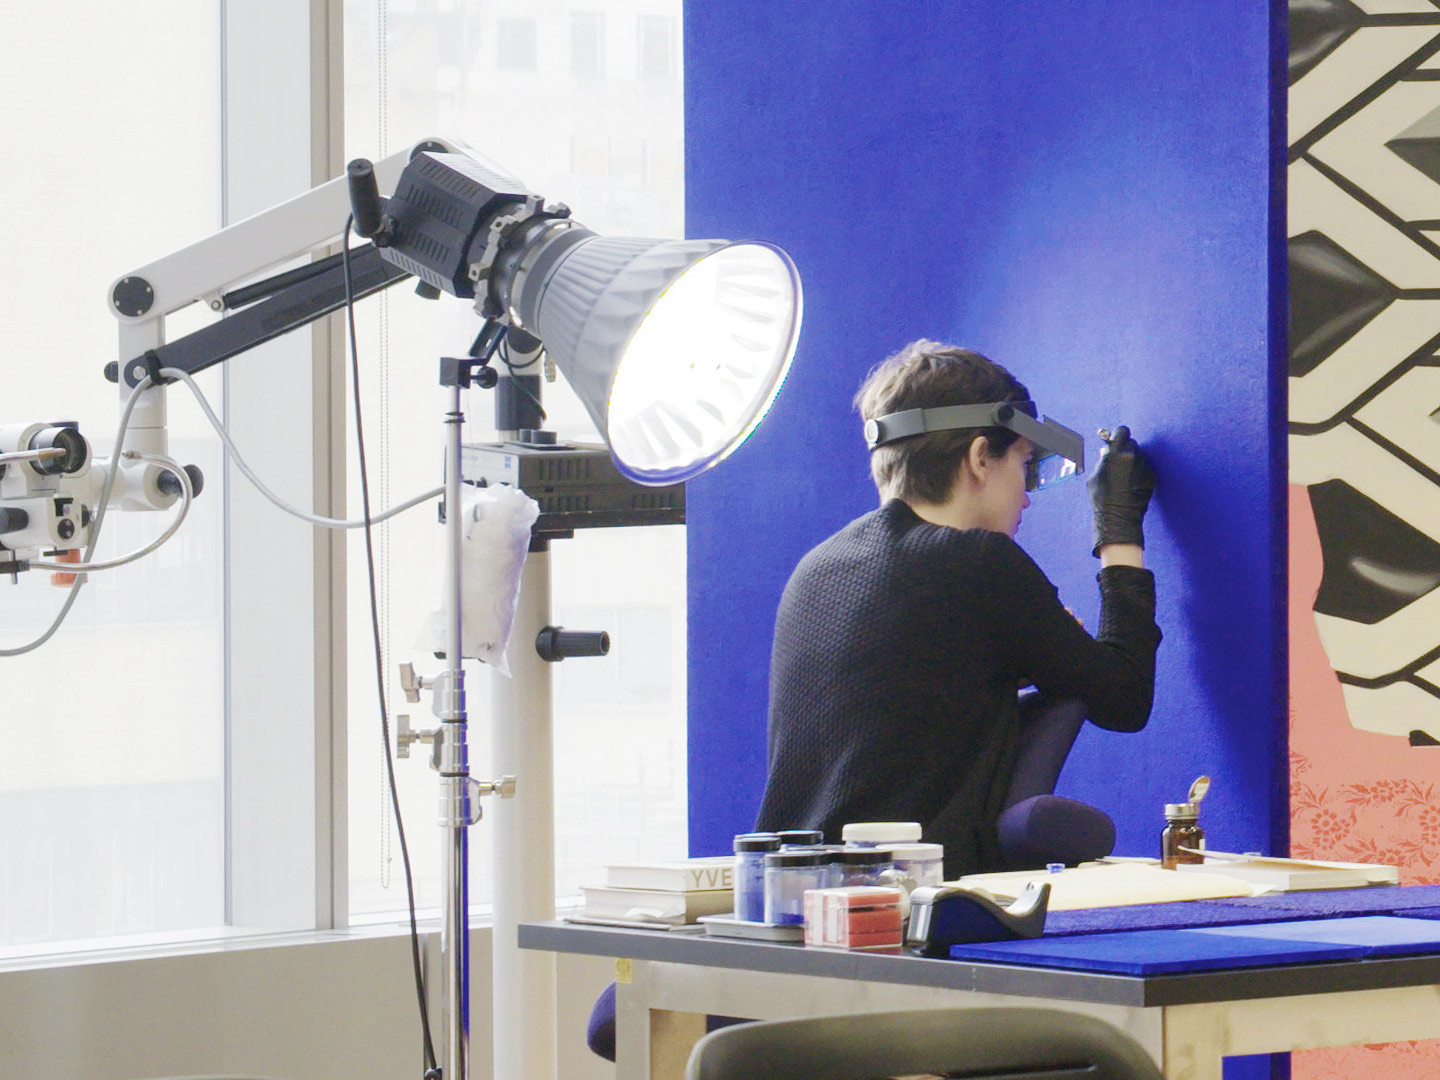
<point x="660" y="894"/>
<point x="1293" y="875"/>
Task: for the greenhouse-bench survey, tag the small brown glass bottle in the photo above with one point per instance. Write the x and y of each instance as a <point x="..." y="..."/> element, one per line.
<point x="1182" y="830"/>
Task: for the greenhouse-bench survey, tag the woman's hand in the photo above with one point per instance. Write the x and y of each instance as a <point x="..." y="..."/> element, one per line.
<point x="1120" y="490"/>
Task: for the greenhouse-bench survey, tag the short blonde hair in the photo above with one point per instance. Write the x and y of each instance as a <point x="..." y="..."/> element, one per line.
<point x="927" y="375"/>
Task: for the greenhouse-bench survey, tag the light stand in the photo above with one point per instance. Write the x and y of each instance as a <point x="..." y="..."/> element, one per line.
<point x="456" y="811"/>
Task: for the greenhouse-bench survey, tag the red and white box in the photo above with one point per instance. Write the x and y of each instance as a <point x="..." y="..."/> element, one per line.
<point x="853" y="917"/>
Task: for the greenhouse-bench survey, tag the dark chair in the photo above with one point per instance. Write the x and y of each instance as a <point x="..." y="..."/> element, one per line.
<point x="1038" y="827"/>
<point x="979" y="1044"/>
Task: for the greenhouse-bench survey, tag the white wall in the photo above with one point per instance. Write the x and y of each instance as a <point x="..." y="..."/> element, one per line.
<point x="337" y="1006"/>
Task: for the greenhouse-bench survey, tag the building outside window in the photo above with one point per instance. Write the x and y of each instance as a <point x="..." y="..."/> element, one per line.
<point x="587" y="44"/>
<point x="656" y="46"/>
<point x="516" y="44"/>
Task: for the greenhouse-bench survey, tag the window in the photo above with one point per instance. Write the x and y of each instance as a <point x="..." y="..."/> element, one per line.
<point x="516" y="42"/>
<point x="655" y="47"/>
<point x="587" y="44"/>
<point x="111" y="781"/>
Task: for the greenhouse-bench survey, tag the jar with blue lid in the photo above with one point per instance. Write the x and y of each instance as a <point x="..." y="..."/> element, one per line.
<point x="787" y="875"/>
<point x="749" y="878"/>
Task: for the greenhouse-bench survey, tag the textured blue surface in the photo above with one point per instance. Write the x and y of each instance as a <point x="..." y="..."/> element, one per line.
<point x="1376" y="900"/>
<point x="1174" y="916"/>
<point x="1157" y="952"/>
<point x="1416" y="901"/>
<point x="1081" y="191"/>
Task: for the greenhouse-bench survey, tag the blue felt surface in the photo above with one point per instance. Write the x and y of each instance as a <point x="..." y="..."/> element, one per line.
<point x="1415" y="901"/>
<point x="1156" y="952"/>
<point x="1173" y="916"/>
<point x="1378" y="935"/>
<point x="1374" y="900"/>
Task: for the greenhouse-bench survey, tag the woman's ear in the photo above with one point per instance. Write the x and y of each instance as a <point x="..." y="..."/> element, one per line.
<point x="978" y="460"/>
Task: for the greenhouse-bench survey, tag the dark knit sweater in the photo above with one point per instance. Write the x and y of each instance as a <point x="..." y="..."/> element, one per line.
<point x="899" y="647"/>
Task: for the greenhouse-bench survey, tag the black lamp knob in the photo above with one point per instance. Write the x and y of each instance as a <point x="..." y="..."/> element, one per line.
<point x="365" y="201"/>
<point x="169" y="483"/>
<point x="555" y="643"/>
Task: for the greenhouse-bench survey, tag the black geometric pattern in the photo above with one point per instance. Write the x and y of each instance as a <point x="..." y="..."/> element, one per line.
<point x="1317" y="28"/>
<point x="1419" y="144"/>
<point x="1332" y="295"/>
<point x="1356" y="194"/>
<point x="1375" y="563"/>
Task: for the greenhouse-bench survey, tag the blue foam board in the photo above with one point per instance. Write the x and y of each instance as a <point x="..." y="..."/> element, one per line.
<point x="1155" y="952"/>
<point x="1378" y="935"/>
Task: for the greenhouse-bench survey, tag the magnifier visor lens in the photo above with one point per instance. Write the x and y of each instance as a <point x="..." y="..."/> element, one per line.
<point x="1047" y="471"/>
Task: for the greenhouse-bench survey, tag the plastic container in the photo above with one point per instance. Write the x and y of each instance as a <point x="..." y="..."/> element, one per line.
<point x="788" y="874"/>
<point x="1182" y="830"/>
<point x="873" y="833"/>
<point x="918" y="864"/>
<point x="853" y="918"/>
<point x="749" y="884"/>
<point x="863" y="866"/>
<point x="800" y="837"/>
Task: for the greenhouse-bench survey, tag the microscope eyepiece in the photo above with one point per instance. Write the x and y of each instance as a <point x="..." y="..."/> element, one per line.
<point x="63" y="435"/>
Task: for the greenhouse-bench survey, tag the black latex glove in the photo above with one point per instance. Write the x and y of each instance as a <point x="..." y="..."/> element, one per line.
<point x="1120" y="489"/>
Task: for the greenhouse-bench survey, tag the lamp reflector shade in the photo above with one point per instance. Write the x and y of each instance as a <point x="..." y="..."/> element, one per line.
<point x="677" y="348"/>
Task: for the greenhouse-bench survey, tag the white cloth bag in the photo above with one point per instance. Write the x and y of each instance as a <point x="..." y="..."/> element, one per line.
<point x="497" y="522"/>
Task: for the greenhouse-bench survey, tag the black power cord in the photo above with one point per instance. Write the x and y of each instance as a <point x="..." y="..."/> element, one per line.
<point x="504" y="352"/>
<point x="432" y="1072"/>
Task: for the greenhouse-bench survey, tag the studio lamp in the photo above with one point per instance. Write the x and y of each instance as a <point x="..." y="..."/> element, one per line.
<point x="675" y="347"/>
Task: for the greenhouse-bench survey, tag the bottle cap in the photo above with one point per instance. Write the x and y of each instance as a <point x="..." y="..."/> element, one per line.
<point x="881" y="832"/>
<point x="912" y="852"/>
<point x="1182" y="810"/>
<point x="1054" y="867"/>
<point x="795" y="857"/>
<point x="800" y="837"/>
<point x="756" y="841"/>
<point x="864" y="856"/>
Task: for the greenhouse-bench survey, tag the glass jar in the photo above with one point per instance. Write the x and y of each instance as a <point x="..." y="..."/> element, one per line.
<point x="787" y="875"/>
<point x="918" y="864"/>
<point x="1182" y="830"/>
<point x="749" y="884"/>
<point x="863" y="866"/>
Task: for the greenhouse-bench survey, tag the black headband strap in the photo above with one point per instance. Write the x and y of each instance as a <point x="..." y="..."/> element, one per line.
<point x="1017" y="416"/>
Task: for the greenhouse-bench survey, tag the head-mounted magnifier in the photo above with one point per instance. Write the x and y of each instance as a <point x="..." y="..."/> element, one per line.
<point x="1059" y="452"/>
